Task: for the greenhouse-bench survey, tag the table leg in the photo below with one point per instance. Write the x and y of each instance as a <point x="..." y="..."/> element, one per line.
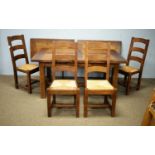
<point x="115" y="76"/>
<point x="42" y="80"/>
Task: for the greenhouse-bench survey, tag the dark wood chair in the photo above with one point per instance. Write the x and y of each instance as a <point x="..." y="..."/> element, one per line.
<point x="64" y="58"/>
<point x="15" y="48"/>
<point x="149" y="116"/>
<point x="137" y="53"/>
<point x="96" y="52"/>
<point x="42" y="44"/>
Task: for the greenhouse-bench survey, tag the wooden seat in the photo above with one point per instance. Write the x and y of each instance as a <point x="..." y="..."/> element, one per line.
<point x="95" y="52"/>
<point x="137" y="53"/>
<point x="14" y="45"/>
<point x="64" y="58"/>
<point x="149" y="116"/>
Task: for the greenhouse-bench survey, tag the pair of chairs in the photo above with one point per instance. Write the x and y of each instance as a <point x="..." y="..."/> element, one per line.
<point x="64" y="58"/>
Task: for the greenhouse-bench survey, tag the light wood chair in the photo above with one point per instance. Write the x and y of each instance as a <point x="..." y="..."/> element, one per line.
<point x="149" y="116"/>
<point x="64" y="58"/>
<point x="129" y="70"/>
<point x="14" y="46"/>
<point x="96" y="52"/>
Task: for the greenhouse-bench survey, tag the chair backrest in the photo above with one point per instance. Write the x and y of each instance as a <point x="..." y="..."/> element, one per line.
<point x="14" y="45"/>
<point x="64" y="58"/>
<point x="95" y="54"/>
<point x="41" y="44"/>
<point x="136" y="47"/>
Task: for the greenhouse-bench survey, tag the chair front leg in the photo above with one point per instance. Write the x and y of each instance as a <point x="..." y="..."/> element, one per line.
<point x="29" y="83"/>
<point x="139" y="80"/>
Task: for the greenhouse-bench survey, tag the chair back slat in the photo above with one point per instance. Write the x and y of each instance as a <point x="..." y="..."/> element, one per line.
<point x="138" y="49"/>
<point x="136" y="58"/>
<point x="21" y="56"/>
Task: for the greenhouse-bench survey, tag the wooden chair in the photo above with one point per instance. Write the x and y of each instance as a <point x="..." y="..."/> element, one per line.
<point x="15" y="46"/>
<point x="64" y="58"/>
<point x="43" y="44"/>
<point x="128" y="70"/>
<point x="96" y="52"/>
<point x="149" y="116"/>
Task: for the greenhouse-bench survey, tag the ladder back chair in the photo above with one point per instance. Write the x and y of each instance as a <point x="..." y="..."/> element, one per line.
<point x="15" y="46"/>
<point x="96" y="52"/>
<point x="64" y="58"/>
<point x="128" y="70"/>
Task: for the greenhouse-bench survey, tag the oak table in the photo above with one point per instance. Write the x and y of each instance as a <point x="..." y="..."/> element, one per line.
<point x="44" y="58"/>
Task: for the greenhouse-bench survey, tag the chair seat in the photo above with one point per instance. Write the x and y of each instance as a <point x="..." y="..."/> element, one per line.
<point x="27" y="67"/>
<point x="99" y="85"/>
<point x="64" y="84"/>
<point x="129" y="69"/>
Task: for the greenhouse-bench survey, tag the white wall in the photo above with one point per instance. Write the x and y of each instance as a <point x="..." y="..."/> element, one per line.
<point x="123" y="35"/>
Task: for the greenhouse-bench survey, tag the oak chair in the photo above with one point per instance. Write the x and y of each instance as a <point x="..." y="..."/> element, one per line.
<point x="129" y="70"/>
<point x="64" y="58"/>
<point x="96" y="52"/>
<point x="43" y="44"/>
<point x="149" y="116"/>
<point x="18" y="51"/>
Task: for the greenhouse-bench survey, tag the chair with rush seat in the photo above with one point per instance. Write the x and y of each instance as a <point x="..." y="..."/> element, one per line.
<point x="96" y="52"/>
<point x="15" y="46"/>
<point x="64" y="58"/>
<point x="128" y="70"/>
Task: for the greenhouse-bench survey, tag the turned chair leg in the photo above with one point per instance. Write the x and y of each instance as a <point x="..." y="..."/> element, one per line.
<point x="113" y="105"/>
<point x="139" y="81"/>
<point x="128" y="85"/>
<point x="85" y="104"/>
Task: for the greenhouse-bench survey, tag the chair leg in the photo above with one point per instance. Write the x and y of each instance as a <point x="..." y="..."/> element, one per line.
<point x="29" y="83"/>
<point x="85" y="104"/>
<point x="125" y="80"/>
<point x="54" y="99"/>
<point x="139" y="81"/>
<point x="77" y="104"/>
<point x="49" y="105"/>
<point x="16" y="80"/>
<point x="113" y="105"/>
<point x="49" y="74"/>
<point x="128" y="85"/>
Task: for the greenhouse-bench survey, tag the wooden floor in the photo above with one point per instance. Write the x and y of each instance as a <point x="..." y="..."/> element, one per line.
<point x="17" y="107"/>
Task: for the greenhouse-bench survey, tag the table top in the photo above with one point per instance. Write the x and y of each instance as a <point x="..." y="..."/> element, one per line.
<point x="46" y="57"/>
